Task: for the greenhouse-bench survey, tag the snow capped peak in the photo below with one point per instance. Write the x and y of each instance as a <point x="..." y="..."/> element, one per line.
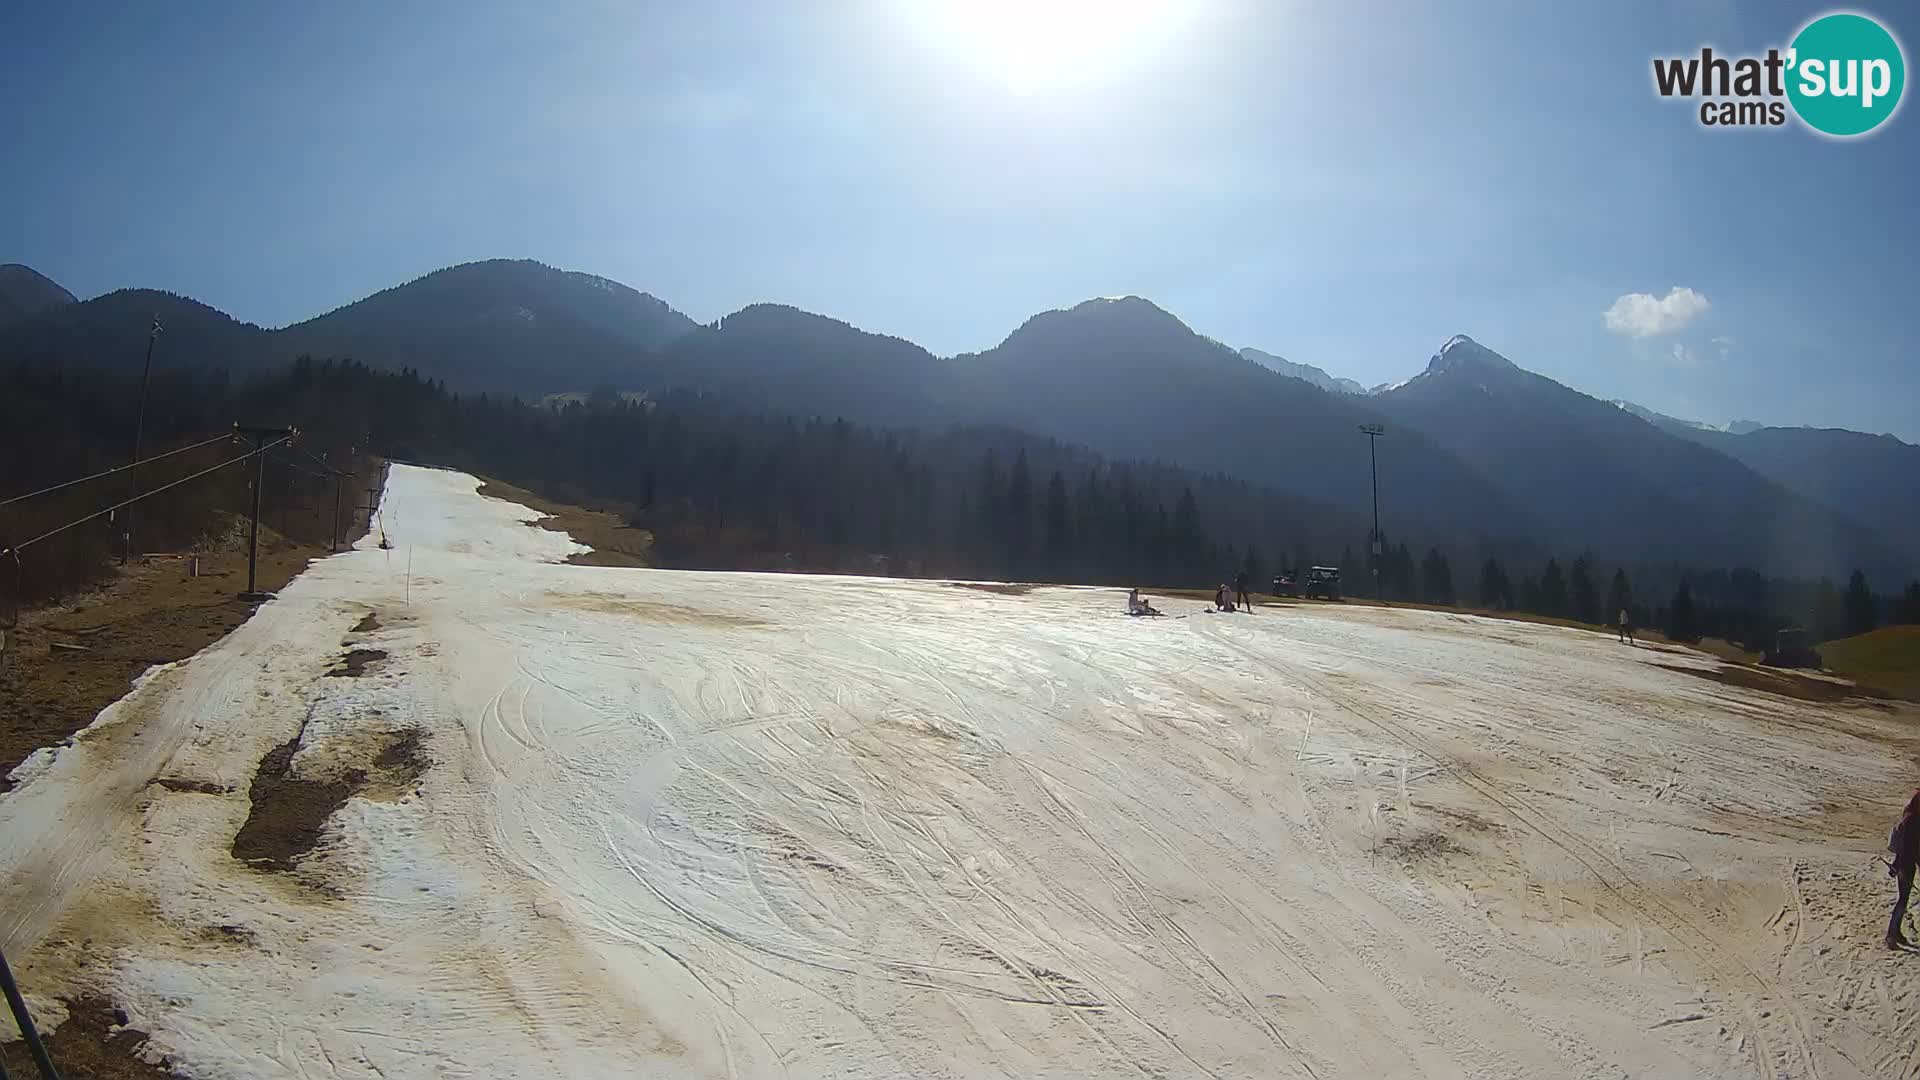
<point x="1463" y="353"/>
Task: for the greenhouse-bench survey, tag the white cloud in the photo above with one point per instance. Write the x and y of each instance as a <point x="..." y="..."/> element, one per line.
<point x="1684" y="355"/>
<point x="1645" y="315"/>
<point x="1724" y="345"/>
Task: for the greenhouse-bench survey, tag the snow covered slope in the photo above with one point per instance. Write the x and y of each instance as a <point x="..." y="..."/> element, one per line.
<point x="733" y="825"/>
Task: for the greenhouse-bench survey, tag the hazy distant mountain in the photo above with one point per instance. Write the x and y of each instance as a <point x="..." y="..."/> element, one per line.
<point x="25" y="291"/>
<point x="1604" y="479"/>
<point x="1661" y="419"/>
<point x="1742" y="427"/>
<point x="783" y="359"/>
<point x="1307" y="372"/>
<point x="1131" y="380"/>
<point x="501" y="324"/>
<point x="1870" y="478"/>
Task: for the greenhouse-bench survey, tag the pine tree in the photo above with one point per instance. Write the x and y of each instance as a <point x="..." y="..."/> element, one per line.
<point x="1682" y="624"/>
<point x="1018" y="517"/>
<point x="1553" y="590"/>
<point x="1861" y="616"/>
<point x="1255" y="567"/>
<point x="1059" y="528"/>
<point x="1496" y="593"/>
<point x="1406" y="580"/>
<point x="1436" y="578"/>
<point x="1910" y="607"/>
<point x="1585" y="598"/>
<point x="1620" y="596"/>
<point x="1189" y="542"/>
<point x="1827" y="619"/>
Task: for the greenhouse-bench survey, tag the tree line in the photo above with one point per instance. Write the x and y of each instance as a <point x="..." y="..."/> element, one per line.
<point x="724" y="487"/>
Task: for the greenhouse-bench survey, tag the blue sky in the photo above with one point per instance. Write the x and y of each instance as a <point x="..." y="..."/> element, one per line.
<point x="1344" y="185"/>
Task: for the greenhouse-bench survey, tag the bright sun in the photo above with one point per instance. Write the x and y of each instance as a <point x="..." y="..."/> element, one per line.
<point x="1038" y="45"/>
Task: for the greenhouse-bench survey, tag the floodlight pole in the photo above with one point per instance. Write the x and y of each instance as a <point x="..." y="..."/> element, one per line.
<point x="259" y="435"/>
<point x="1373" y="432"/>
<point x="139" y="431"/>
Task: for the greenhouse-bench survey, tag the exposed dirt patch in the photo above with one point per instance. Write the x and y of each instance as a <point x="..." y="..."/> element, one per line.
<point x="1421" y="846"/>
<point x="228" y="933"/>
<point x="999" y="588"/>
<point x="610" y="604"/>
<point x="602" y="527"/>
<point x="150" y="613"/>
<point x="288" y="812"/>
<point x="201" y="787"/>
<point x="95" y="1042"/>
<point x="355" y="663"/>
<point x="399" y="763"/>
<point x="1782" y="683"/>
<point x="368" y="624"/>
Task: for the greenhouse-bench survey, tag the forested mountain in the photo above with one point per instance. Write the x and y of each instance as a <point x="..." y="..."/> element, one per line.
<point x="1127" y="378"/>
<point x="789" y="361"/>
<point x="1478" y="449"/>
<point x="1596" y="476"/>
<point x="503" y="325"/>
<point x="110" y="332"/>
<point x="1874" y="479"/>
<point x="25" y="291"/>
<point x="718" y="486"/>
<point x="512" y="325"/>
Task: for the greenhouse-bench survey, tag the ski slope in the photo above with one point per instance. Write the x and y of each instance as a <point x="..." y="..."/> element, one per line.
<point x="687" y="824"/>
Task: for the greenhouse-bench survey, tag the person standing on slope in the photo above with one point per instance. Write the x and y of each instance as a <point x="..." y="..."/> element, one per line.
<point x="1626" y="626"/>
<point x="1240" y="596"/>
<point x="1905" y="846"/>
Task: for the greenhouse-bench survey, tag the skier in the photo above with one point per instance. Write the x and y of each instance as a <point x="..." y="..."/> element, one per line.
<point x="1904" y="843"/>
<point x="1240" y="597"/>
<point x="1626" y="627"/>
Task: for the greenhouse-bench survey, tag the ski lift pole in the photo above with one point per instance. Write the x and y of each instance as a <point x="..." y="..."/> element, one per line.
<point x="18" y="1004"/>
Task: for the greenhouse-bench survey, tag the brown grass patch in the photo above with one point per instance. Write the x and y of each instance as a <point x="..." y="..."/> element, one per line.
<point x="1781" y="683"/>
<point x="603" y="528"/>
<point x="150" y="613"/>
<point x="368" y="624"/>
<point x="999" y="588"/>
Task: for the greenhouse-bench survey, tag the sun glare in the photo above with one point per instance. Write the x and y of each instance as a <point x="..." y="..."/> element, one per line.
<point x="1033" y="46"/>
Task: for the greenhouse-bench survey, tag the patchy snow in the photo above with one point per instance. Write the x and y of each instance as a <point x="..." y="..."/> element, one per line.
<point x="750" y="825"/>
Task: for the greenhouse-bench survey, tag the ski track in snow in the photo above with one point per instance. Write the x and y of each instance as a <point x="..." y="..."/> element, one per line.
<point x="750" y="825"/>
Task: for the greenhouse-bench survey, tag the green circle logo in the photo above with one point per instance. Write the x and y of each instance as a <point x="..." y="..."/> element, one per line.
<point x="1845" y="74"/>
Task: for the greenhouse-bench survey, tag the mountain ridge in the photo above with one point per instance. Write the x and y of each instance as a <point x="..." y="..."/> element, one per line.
<point x="1120" y="375"/>
<point x="1305" y="372"/>
<point x="25" y="291"/>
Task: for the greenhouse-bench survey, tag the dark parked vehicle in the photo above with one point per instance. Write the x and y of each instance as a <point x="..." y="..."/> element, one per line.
<point x="1286" y="583"/>
<point x="1323" y="582"/>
